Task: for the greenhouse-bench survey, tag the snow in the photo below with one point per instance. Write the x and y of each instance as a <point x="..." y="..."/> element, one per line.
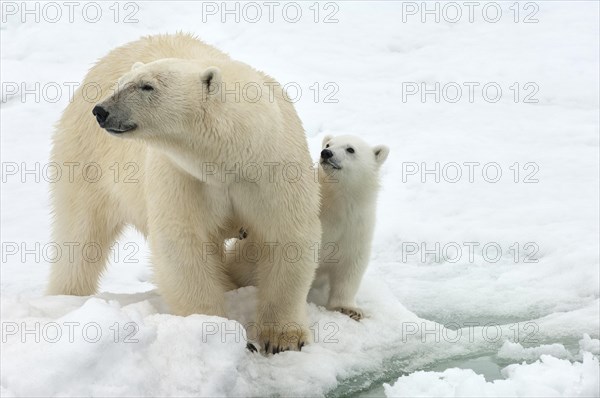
<point x="538" y="321"/>
<point x="547" y="377"/>
<point x="510" y="350"/>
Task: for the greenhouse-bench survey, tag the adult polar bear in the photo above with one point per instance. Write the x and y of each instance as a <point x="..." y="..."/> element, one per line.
<point x="173" y="116"/>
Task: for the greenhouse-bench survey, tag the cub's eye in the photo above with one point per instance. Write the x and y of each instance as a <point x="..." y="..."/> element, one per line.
<point x="327" y="146"/>
<point x="350" y="150"/>
<point x="147" y="87"/>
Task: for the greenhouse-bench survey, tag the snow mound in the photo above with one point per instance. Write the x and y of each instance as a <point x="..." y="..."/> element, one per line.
<point x="547" y="377"/>
<point x="516" y="351"/>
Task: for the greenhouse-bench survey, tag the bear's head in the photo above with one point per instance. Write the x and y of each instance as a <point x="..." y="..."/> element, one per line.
<point x="347" y="158"/>
<point x="166" y="97"/>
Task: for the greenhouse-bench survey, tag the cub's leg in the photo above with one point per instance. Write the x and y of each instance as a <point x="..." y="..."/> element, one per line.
<point x="344" y="281"/>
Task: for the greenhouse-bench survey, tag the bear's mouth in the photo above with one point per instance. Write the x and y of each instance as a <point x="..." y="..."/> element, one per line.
<point x="326" y="163"/>
<point x="121" y="130"/>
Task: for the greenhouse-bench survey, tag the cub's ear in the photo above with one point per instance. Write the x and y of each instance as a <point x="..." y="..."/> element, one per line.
<point x="211" y="81"/>
<point x="381" y="153"/>
<point x="326" y="139"/>
<point x="137" y="65"/>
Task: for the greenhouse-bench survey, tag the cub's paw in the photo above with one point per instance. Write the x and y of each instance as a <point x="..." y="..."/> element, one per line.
<point x="352" y="312"/>
<point x="274" y="338"/>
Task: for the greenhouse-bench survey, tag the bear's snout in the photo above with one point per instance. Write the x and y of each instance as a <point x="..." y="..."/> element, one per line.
<point x="326" y="154"/>
<point x="114" y="121"/>
<point x="101" y="114"/>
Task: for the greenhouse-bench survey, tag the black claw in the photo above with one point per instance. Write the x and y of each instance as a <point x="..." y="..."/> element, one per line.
<point x="251" y="347"/>
<point x="267" y="344"/>
<point x="300" y="346"/>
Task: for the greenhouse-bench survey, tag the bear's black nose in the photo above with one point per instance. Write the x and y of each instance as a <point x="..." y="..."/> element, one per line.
<point x="326" y="154"/>
<point x="100" y="113"/>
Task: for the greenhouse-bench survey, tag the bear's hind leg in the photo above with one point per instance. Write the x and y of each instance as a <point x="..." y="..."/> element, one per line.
<point x="84" y="238"/>
<point x="241" y="265"/>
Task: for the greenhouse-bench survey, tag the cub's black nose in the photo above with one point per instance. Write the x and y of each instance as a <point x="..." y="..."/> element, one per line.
<point x="100" y="113"/>
<point x="326" y="154"/>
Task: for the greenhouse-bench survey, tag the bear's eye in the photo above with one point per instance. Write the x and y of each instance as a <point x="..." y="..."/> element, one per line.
<point x="350" y="150"/>
<point x="327" y="146"/>
<point x="147" y="87"/>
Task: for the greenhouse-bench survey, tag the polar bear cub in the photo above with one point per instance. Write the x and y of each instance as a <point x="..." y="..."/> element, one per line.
<point x="348" y="175"/>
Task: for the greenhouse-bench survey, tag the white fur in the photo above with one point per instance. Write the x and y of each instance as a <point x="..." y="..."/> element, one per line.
<point x="349" y="187"/>
<point x="181" y="125"/>
<point x="348" y="206"/>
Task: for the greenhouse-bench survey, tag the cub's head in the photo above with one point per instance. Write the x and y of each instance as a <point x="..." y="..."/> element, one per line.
<point x="349" y="157"/>
<point x="163" y="97"/>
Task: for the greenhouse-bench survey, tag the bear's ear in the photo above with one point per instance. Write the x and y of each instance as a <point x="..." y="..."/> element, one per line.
<point x="211" y="80"/>
<point x="381" y="153"/>
<point x="137" y="65"/>
<point x="326" y="139"/>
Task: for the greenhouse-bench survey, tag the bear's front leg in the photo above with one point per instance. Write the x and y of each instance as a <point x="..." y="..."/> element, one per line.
<point x="188" y="271"/>
<point x="284" y="279"/>
<point x="187" y="256"/>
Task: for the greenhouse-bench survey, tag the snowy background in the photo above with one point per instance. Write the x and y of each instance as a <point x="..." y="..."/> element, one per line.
<point x="442" y="320"/>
